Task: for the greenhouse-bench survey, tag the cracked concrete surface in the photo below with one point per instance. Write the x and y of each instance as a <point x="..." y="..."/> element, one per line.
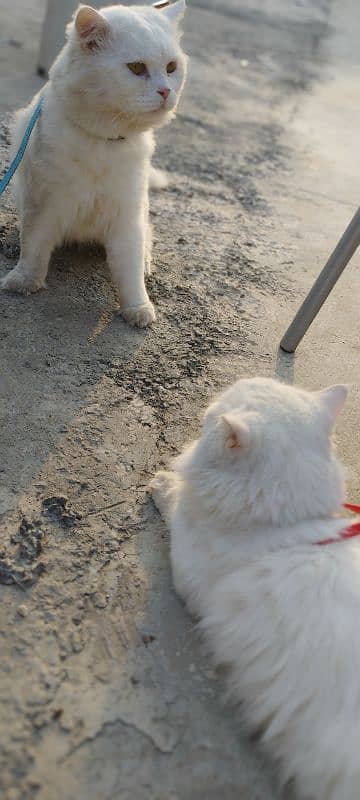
<point x="105" y="690"/>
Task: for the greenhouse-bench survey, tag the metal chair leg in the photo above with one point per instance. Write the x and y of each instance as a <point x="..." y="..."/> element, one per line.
<point x="322" y="287"/>
<point x="53" y="32"/>
<point x="58" y="13"/>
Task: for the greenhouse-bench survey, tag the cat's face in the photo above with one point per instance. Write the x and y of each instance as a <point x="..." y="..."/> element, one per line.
<point x="126" y="62"/>
<point x="266" y="453"/>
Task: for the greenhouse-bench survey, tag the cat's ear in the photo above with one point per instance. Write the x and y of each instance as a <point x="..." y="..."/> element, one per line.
<point x="333" y="399"/>
<point x="236" y="431"/>
<point x="91" y="27"/>
<point x="173" y="11"/>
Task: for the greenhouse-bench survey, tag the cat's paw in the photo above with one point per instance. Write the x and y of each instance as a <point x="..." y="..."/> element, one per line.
<point x="159" y="486"/>
<point x="162" y="488"/>
<point x="158" y="179"/>
<point x="141" y="316"/>
<point x="18" y="280"/>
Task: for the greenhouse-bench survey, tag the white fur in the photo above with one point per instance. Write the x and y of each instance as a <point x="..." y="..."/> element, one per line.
<point x="247" y="503"/>
<point x="75" y="184"/>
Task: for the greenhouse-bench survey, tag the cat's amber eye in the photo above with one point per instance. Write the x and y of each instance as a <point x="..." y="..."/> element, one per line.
<point x="138" y="68"/>
<point x="171" y="67"/>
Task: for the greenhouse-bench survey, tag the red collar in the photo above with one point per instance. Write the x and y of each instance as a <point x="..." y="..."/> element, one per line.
<point x="348" y="533"/>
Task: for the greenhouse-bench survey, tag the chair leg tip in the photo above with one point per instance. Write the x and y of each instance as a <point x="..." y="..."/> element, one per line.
<point x="286" y="347"/>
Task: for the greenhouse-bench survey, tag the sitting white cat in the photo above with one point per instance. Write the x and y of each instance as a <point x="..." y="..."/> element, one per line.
<point x="250" y="504"/>
<point x="86" y="170"/>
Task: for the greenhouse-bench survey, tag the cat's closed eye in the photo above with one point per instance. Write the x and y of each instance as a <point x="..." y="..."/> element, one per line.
<point x="138" y="68"/>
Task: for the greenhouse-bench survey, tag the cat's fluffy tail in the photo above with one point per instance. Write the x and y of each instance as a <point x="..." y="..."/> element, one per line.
<point x="157" y="179"/>
<point x="163" y="490"/>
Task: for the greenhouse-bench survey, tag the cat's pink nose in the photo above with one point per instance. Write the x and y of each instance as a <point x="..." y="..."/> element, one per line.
<point x="164" y="92"/>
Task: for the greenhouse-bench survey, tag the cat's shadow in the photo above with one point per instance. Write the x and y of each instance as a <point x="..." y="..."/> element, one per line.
<point x="285" y="367"/>
<point x="180" y="667"/>
<point x="57" y="345"/>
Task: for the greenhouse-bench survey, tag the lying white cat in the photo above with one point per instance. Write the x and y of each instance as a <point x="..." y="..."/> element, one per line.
<point x="85" y="173"/>
<point x="250" y="504"/>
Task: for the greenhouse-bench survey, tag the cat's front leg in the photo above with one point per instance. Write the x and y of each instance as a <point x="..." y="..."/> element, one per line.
<point x="37" y="240"/>
<point x="184" y="591"/>
<point x="163" y="488"/>
<point x="148" y="238"/>
<point x="126" y="257"/>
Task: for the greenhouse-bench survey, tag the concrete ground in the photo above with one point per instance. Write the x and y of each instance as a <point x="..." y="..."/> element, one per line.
<point x="105" y="690"/>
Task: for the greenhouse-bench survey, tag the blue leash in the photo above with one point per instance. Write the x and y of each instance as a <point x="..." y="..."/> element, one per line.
<point x="20" y="153"/>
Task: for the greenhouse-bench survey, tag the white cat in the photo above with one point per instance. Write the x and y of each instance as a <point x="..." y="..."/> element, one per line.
<point x="86" y="171"/>
<point x="248" y="504"/>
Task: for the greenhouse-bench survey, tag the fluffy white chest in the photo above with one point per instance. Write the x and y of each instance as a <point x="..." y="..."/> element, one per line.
<point x="97" y="185"/>
<point x="89" y="181"/>
<point x="104" y="190"/>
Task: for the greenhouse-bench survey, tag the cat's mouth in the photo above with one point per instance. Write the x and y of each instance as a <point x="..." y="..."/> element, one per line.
<point x="148" y="116"/>
<point x="163" y="106"/>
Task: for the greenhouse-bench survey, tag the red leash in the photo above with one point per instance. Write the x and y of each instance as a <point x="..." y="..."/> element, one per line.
<point x="347" y="533"/>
